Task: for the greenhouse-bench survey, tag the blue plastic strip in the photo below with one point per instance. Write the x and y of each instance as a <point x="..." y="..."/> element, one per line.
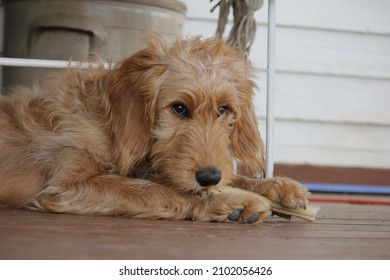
<point x="344" y="188"/>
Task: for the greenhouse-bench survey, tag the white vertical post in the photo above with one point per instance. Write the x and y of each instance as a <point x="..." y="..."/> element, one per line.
<point x="270" y="90"/>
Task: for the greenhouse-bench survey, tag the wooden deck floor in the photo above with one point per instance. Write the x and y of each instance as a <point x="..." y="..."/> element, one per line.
<point x="342" y="231"/>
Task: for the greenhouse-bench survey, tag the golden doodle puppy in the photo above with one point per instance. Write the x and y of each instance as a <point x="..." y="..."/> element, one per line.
<point x="141" y="139"/>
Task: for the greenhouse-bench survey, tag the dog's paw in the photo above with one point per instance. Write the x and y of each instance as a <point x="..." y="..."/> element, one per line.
<point x="234" y="205"/>
<point x="284" y="191"/>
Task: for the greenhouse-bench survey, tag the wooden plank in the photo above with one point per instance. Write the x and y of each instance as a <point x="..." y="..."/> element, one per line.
<point x="335" y="175"/>
<point x="332" y="145"/>
<point x="325" y="53"/>
<point x="327" y="99"/>
<point x="341" y="232"/>
<point x="347" y="15"/>
<point x="343" y="136"/>
<point x="333" y="53"/>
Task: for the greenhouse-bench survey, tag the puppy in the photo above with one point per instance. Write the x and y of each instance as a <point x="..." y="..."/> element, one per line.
<point x="142" y="139"/>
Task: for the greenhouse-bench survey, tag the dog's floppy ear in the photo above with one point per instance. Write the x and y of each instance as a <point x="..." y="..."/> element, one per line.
<point x="246" y="144"/>
<point x="132" y="90"/>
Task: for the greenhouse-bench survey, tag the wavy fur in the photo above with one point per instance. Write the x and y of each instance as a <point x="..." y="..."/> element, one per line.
<point x="108" y="142"/>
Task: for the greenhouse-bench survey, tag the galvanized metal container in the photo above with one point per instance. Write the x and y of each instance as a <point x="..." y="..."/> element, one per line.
<point x="54" y="29"/>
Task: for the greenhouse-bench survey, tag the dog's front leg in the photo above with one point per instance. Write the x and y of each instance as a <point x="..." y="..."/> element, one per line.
<point x="281" y="190"/>
<point x="115" y="195"/>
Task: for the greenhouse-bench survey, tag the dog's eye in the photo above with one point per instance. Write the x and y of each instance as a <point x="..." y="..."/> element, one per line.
<point x="181" y="110"/>
<point x="223" y="110"/>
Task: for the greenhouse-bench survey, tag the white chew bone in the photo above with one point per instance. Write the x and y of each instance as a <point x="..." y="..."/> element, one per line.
<point x="308" y="214"/>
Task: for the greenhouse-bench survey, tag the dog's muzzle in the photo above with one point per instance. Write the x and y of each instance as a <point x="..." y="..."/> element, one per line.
<point x="208" y="176"/>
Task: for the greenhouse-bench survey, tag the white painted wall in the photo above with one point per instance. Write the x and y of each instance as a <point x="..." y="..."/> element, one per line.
<point x="332" y="82"/>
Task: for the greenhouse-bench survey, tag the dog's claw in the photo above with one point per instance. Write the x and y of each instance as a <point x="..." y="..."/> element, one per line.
<point x="253" y="218"/>
<point x="234" y="216"/>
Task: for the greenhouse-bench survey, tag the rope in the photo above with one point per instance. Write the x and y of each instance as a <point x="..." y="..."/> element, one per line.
<point x="243" y="31"/>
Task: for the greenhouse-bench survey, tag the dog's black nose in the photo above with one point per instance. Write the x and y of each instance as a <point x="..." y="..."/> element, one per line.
<point x="208" y="176"/>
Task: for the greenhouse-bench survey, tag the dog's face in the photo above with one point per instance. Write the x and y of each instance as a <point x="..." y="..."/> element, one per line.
<point x="197" y="113"/>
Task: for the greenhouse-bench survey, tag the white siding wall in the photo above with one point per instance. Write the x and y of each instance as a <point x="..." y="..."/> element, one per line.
<point x="332" y="82"/>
